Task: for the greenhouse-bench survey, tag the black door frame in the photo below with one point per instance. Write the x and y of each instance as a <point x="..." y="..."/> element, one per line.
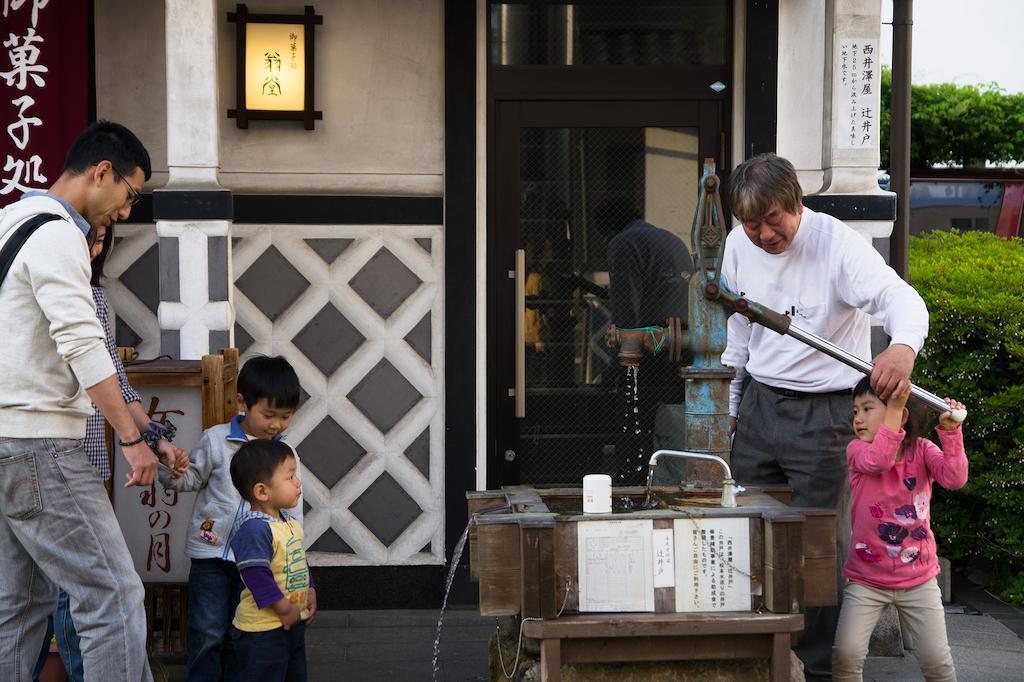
<point x="510" y="117"/>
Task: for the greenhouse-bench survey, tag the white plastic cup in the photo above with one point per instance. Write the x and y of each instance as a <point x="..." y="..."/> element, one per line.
<point x="597" y="494"/>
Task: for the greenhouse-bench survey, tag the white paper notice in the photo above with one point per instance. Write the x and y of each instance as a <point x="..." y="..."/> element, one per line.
<point x="858" y="80"/>
<point x="712" y="564"/>
<point x="615" y="565"/>
<point x="664" y="558"/>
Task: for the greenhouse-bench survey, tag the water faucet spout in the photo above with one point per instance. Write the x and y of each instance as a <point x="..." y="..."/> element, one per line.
<point x="691" y="455"/>
<point x="729" y="487"/>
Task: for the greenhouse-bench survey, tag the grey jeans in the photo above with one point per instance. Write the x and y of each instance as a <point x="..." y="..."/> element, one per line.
<point x="57" y="528"/>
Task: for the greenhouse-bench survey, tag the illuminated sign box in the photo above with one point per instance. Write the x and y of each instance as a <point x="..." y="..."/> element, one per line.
<point x="274" y="68"/>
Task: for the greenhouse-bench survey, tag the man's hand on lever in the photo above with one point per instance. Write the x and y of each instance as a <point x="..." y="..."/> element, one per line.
<point x="892" y="370"/>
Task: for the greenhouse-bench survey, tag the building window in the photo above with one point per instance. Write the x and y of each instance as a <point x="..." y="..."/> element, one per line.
<point x="609" y="32"/>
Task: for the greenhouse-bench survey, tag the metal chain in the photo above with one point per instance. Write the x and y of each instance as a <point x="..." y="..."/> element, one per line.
<point x="519" y="646"/>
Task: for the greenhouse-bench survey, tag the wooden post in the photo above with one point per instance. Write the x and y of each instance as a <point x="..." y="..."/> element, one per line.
<point x="780" y="663"/>
<point x="783" y="563"/>
<point x="537" y="553"/>
<point x="551" y="660"/>
<point x="213" y="390"/>
<point x="820" y="558"/>
<point x="530" y="590"/>
<point x="230" y="380"/>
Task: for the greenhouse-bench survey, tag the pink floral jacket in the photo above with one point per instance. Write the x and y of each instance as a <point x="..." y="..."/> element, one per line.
<point x="892" y="546"/>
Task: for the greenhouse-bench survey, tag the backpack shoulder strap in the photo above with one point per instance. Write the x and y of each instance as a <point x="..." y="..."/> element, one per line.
<point x="18" y="239"/>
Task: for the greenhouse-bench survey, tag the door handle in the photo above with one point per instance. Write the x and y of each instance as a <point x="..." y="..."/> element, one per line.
<point x="519" y="391"/>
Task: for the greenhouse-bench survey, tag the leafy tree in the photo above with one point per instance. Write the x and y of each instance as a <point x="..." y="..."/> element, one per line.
<point x="963" y="125"/>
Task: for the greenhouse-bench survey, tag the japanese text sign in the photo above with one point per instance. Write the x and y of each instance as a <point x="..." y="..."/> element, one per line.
<point x="857" y="83"/>
<point x="44" y="76"/>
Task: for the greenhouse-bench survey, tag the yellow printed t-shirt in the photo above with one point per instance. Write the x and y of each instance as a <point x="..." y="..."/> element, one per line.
<point x="263" y="541"/>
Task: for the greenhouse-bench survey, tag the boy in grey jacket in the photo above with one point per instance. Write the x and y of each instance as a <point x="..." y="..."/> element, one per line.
<point x="269" y="390"/>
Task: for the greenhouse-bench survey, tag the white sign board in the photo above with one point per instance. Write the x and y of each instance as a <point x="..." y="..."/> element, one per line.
<point x="664" y="558"/>
<point x="712" y="564"/>
<point x="155" y="522"/>
<point x="858" y="79"/>
<point x="615" y="565"/>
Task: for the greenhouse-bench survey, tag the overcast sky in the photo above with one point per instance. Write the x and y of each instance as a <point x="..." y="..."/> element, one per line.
<point x="967" y="43"/>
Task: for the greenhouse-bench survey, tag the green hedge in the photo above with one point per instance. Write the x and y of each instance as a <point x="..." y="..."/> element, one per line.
<point x="973" y="284"/>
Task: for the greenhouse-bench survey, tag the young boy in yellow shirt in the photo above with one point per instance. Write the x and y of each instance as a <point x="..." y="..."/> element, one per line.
<point x="278" y="599"/>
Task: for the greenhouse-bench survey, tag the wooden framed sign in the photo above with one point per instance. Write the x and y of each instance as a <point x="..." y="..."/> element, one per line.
<point x="194" y="395"/>
<point x="274" y="66"/>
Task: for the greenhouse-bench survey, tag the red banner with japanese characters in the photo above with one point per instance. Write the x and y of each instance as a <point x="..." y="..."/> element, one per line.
<point x="44" y="76"/>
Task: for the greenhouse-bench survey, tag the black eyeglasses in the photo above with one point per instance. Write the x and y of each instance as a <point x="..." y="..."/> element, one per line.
<point x="133" y="196"/>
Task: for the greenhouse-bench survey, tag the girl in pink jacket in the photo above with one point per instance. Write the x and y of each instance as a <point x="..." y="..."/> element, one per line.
<point x="892" y="555"/>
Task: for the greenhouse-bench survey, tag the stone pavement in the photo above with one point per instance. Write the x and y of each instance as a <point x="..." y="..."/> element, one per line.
<point x="395" y="646"/>
<point x="978" y="599"/>
<point x="983" y="649"/>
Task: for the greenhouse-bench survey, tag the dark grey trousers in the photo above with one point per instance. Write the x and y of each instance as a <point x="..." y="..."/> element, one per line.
<point x="800" y="441"/>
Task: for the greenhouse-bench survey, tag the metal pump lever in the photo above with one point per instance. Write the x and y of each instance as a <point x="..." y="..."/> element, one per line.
<point x="783" y="324"/>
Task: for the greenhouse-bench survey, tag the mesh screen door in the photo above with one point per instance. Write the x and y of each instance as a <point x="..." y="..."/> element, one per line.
<point x="600" y="214"/>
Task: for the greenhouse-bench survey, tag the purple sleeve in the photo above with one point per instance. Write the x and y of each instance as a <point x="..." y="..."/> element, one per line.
<point x="260" y="582"/>
<point x="253" y="544"/>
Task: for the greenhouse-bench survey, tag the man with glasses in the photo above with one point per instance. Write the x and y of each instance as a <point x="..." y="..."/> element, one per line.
<point x="57" y="526"/>
<point x="134" y="195"/>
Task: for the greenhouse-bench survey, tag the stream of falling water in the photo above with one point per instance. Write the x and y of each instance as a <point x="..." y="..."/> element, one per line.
<point x="456" y="556"/>
<point x="634" y="461"/>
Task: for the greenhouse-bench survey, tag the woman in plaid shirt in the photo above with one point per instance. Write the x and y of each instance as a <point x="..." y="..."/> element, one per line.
<point x="95" y="433"/>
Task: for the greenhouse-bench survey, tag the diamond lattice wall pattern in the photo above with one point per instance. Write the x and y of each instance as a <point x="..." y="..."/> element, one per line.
<point x="132" y="284"/>
<point x="357" y="310"/>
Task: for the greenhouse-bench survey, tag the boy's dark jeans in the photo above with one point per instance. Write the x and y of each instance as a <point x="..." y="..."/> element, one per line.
<point x="277" y="655"/>
<point x="214" y="588"/>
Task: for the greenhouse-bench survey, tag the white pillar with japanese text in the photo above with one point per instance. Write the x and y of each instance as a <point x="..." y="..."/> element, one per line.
<point x="829" y="118"/>
<point x="853" y="86"/>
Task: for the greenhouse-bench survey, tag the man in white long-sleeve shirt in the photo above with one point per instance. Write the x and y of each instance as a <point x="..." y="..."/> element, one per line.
<point x="790" y="404"/>
<point x="56" y="522"/>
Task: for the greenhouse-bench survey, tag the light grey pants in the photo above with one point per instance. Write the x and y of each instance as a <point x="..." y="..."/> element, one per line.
<point x="57" y="528"/>
<point x="920" y="610"/>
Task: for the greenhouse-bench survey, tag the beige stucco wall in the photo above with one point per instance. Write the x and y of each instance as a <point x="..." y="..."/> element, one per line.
<point x="379" y="83"/>
<point x="130" y="67"/>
